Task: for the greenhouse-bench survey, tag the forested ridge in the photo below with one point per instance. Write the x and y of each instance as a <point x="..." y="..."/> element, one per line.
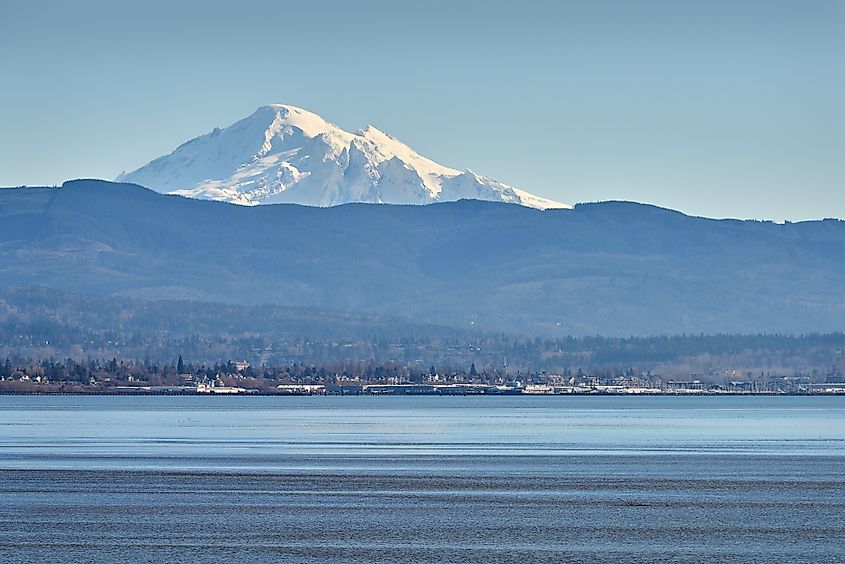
<point x="39" y="323"/>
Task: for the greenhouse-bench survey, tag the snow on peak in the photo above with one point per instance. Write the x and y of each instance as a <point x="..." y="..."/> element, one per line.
<point x="283" y="153"/>
<point x="309" y="123"/>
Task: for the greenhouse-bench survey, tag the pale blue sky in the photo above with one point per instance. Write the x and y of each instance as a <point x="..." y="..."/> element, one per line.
<point x="719" y="108"/>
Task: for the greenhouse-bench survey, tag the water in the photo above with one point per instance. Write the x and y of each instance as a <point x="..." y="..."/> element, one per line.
<point x="408" y="479"/>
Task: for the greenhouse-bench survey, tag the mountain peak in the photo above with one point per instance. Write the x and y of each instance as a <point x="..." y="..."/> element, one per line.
<point x="281" y="115"/>
<point x="283" y="153"/>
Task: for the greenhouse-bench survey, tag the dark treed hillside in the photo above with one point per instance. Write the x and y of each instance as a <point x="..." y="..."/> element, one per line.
<point x="611" y="268"/>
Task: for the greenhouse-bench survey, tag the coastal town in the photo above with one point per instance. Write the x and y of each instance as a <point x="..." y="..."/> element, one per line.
<point x="240" y="378"/>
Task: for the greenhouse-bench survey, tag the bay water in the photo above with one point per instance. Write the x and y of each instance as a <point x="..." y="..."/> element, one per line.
<point x="410" y="479"/>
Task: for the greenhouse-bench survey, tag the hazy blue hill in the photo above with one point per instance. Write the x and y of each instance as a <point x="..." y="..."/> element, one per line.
<point x="613" y="268"/>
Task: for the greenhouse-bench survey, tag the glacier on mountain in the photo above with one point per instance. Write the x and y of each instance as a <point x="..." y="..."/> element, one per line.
<point x="284" y="154"/>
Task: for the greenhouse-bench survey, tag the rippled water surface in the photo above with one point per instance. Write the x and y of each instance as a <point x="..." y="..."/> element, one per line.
<point x="384" y="479"/>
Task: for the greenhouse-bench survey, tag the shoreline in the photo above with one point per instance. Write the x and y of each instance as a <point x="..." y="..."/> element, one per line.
<point x="530" y="395"/>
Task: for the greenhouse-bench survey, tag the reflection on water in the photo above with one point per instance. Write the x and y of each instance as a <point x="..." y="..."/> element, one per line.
<point x="199" y="479"/>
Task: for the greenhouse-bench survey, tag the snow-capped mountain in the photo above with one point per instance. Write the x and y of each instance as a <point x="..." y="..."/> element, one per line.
<point x="286" y="154"/>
